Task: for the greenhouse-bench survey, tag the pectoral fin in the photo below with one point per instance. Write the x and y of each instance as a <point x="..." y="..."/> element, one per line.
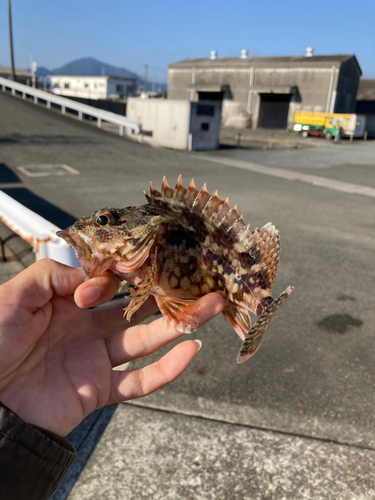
<point x="253" y="339"/>
<point x="184" y="313"/>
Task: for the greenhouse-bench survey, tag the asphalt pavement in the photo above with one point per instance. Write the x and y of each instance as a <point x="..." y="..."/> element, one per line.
<point x="297" y="419"/>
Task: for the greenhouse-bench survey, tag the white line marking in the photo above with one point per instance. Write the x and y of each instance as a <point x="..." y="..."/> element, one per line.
<point x="49" y="169"/>
<point x="315" y="180"/>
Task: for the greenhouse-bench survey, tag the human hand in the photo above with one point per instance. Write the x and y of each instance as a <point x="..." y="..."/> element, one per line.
<point x="55" y="361"/>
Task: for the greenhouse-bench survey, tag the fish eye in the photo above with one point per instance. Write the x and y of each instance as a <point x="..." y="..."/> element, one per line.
<point x="102" y="220"/>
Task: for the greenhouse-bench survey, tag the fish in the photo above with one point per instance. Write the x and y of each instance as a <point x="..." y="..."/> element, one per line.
<point x="181" y="245"/>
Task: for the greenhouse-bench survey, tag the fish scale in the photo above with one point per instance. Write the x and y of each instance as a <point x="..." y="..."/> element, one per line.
<point x="181" y="245"/>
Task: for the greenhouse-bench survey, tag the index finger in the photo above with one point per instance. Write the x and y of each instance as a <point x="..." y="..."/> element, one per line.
<point x="34" y="287"/>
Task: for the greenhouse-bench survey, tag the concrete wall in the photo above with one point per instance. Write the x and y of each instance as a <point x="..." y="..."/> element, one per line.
<point x="176" y="124"/>
<point x="168" y="121"/>
<point x="234" y="114"/>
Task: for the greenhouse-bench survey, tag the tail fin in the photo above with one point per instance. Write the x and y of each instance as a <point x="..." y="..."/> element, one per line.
<point x="254" y="337"/>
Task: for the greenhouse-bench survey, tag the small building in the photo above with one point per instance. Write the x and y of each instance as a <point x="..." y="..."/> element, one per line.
<point x="22" y="76"/>
<point x="92" y="87"/>
<point x="176" y="124"/>
<point x="267" y="91"/>
<point x="365" y="105"/>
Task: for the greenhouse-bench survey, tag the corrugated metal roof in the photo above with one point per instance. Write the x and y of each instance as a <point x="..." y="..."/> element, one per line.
<point x="237" y="62"/>
<point x="366" y="90"/>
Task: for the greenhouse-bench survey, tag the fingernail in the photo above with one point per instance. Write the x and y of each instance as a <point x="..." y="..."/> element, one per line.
<point x="90" y="295"/>
<point x="199" y="342"/>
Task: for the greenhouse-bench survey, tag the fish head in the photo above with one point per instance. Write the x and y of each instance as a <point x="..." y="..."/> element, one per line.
<point x="107" y="237"/>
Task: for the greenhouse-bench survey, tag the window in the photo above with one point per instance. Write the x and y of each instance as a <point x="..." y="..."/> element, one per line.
<point x="56" y="85"/>
<point x="102" y="84"/>
<point x="86" y="85"/>
<point x="66" y="85"/>
<point x="205" y="126"/>
<point x="205" y="110"/>
<point x="119" y="88"/>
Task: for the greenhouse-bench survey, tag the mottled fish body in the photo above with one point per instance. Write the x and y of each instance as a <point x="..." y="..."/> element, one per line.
<point x="181" y="245"/>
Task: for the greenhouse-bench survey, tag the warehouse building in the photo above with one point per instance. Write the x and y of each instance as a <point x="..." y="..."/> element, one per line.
<point x="21" y="75"/>
<point x="267" y="91"/>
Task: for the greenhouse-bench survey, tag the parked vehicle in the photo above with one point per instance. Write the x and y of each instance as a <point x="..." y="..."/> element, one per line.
<point x="328" y="125"/>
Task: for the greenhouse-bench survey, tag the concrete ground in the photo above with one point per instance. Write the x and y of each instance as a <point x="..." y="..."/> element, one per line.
<point x="295" y="421"/>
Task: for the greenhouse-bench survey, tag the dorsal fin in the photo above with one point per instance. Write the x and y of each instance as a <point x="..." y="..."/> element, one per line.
<point x="209" y="207"/>
<point x="264" y="245"/>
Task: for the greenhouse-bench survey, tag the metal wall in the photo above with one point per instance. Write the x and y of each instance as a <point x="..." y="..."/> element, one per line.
<point x="347" y="88"/>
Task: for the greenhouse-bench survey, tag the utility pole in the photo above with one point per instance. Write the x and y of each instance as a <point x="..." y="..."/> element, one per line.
<point x="11" y="41"/>
<point x="145" y="85"/>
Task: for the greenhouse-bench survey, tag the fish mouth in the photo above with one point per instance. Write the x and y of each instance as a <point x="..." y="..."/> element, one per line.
<point x="92" y="263"/>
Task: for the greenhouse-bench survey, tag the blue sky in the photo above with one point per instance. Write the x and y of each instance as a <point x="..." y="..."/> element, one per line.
<point x="131" y="34"/>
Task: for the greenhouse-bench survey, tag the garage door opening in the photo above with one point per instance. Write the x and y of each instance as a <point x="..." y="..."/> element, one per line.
<point x="210" y="96"/>
<point x="273" y="110"/>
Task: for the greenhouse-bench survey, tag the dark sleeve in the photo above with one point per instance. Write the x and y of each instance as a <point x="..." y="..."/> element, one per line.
<point x="33" y="461"/>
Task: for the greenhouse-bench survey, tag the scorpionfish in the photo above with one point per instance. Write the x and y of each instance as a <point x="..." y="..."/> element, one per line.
<point x="181" y="245"/>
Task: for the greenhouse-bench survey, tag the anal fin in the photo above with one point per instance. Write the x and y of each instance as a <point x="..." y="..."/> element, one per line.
<point x="184" y="313"/>
<point x="254" y="338"/>
<point x="238" y="317"/>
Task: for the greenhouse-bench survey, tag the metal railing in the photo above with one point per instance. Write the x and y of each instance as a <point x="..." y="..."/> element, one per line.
<point x="64" y="103"/>
<point x="37" y="231"/>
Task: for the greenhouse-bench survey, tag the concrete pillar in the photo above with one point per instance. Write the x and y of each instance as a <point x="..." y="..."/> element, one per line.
<point x="63" y="110"/>
<point x="121" y="130"/>
<point x="99" y="122"/>
<point x="35" y="99"/>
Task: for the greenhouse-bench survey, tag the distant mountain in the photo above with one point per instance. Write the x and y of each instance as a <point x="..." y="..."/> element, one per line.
<point x="42" y="71"/>
<point x="88" y="66"/>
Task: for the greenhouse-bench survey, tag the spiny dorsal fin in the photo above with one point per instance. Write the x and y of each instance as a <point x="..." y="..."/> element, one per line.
<point x="264" y="245"/>
<point x="209" y="207"/>
<point x="167" y="191"/>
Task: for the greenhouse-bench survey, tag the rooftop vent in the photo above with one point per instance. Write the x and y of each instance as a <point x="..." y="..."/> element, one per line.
<point x="309" y="51"/>
<point x="213" y="54"/>
<point x="244" y="54"/>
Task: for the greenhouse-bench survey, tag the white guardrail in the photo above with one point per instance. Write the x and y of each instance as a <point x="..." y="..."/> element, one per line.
<point x="64" y="103"/>
<point x="37" y="231"/>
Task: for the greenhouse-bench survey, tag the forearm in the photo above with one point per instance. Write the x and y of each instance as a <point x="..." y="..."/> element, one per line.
<point x="32" y="460"/>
